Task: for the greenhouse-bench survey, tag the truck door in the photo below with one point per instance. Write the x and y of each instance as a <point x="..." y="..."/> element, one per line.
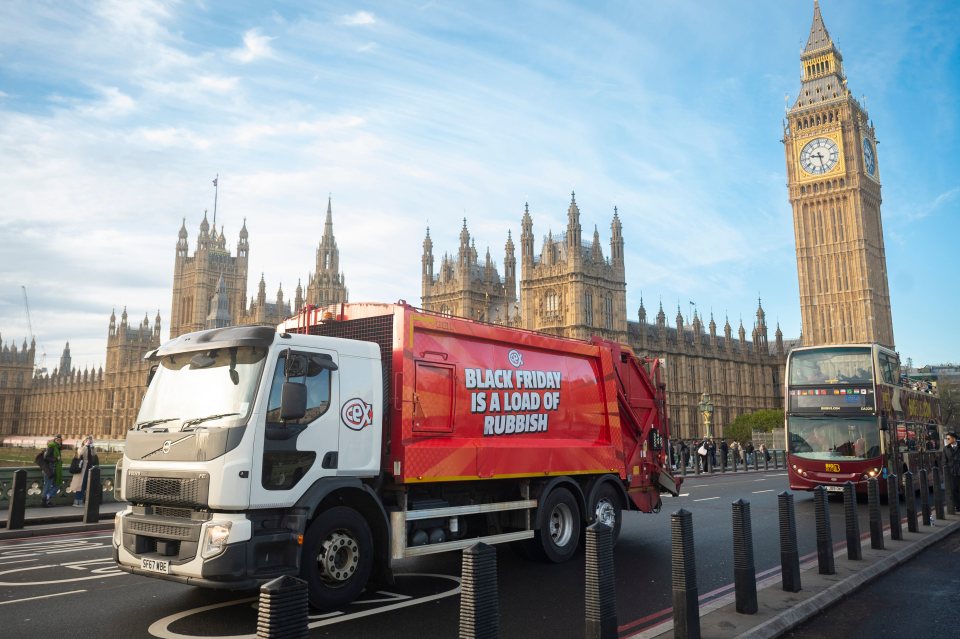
<point x="293" y="454"/>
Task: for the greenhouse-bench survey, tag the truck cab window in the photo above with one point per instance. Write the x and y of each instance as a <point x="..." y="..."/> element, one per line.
<point x="283" y="464"/>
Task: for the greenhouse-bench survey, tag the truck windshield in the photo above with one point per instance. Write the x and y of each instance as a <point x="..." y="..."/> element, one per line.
<point x="214" y="387"/>
<point x="834" y="437"/>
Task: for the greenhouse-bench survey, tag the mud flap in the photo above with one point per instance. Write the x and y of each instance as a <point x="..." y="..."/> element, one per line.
<point x="667" y="482"/>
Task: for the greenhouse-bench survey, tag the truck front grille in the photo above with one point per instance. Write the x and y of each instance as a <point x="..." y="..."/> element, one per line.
<point x="173" y="489"/>
<point x="154" y="529"/>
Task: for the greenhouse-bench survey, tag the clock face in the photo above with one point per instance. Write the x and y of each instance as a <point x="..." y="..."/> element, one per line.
<point x="869" y="157"/>
<point x="819" y="156"/>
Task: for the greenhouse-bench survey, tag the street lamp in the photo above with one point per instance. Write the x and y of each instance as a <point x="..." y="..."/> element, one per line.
<point x="706" y="409"/>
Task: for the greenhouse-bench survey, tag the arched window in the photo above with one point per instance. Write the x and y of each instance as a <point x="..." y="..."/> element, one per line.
<point x="608" y="312"/>
<point x="551" y="302"/>
<point x="588" y="308"/>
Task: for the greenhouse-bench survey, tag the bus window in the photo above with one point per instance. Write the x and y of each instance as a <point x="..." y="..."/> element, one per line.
<point x="827" y="438"/>
<point x="889" y="368"/>
<point x="831" y="366"/>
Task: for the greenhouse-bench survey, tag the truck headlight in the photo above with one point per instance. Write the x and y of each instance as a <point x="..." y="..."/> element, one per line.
<point x="117" y="531"/>
<point x="218" y="533"/>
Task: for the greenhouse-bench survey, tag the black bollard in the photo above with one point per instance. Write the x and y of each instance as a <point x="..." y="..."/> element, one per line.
<point x="756" y="460"/>
<point x="744" y="570"/>
<point x="766" y="460"/>
<point x="854" y="551"/>
<point x="282" y="609"/>
<point x="479" y="601"/>
<point x="686" y="604"/>
<point x="711" y="465"/>
<point x="735" y="456"/>
<point x="893" y="498"/>
<point x="18" y="501"/>
<point x="696" y="465"/>
<point x="938" y="493"/>
<point x="601" y="596"/>
<point x="925" y="518"/>
<point x="91" y="506"/>
<point x="876" y="521"/>
<point x="910" y="498"/>
<point x="683" y="468"/>
<point x="821" y="512"/>
<point x="723" y="463"/>
<point x="789" y="555"/>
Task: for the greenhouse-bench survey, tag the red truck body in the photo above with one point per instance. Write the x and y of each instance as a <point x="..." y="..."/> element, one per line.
<point x="470" y="401"/>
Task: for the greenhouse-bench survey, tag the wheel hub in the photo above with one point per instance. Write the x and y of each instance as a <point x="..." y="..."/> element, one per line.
<point x="339" y="557"/>
<point x="606" y="513"/>
<point x="561" y="524"/>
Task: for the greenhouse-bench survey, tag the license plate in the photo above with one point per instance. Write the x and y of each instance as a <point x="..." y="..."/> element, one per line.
<point x="834" y="489"/>
<point x="832" y="468"/>
<point x="155" y="565"/>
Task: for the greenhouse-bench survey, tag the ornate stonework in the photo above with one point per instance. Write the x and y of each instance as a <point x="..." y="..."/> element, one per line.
<point x="834" y="189"/>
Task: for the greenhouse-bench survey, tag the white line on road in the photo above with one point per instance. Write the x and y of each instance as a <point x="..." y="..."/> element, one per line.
<point x="19" y="561"/>
<point x="698" y="486"/>
<point x="683" y="495"/>
<point x="56" y="594"/>
<point x="759" y="480"/>
<point x="777" y="475"/>
<point x="706" y="499"/>
<point x="757" y="492"/>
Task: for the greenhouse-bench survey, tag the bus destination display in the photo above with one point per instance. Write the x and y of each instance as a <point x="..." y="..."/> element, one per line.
<point x="832" y="399"/>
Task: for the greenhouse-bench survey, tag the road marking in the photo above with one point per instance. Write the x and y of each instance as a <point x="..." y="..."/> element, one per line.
<point x="706" y="499"/>
<point x="56" y="594"/>
<point x="759" y="480"/>
<point x="777" y="475"/>
<point x="757" y="492"/>
<point x="19" y="561"/>
<point x="161" y="627"/>
<point x="698" y="486"/>
<point x="683" y="495"/>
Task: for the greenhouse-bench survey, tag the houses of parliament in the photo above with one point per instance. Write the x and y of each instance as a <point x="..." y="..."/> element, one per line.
<point x="565" y="285"/>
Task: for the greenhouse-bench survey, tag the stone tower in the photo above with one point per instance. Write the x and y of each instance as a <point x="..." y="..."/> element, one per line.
<point x="326" y="284"/>
<point x="195" y="278"/>
<point x="465" y="287"/>
<point x="571" y="289"/>
<point x="834" y="189"/>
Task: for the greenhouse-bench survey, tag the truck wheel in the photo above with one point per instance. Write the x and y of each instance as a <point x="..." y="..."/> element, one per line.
<point x="607" y="508"/>
<point x="559" y="532"/>
<point x="337" y="557"/>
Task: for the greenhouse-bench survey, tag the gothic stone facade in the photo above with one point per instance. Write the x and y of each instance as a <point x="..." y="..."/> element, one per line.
<point x="102" y="402"/>
<point x="571" y="289"/>
<point x="834" y="189"/>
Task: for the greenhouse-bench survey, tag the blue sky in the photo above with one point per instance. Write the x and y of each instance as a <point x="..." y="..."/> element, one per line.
<point x="115" y="116"/>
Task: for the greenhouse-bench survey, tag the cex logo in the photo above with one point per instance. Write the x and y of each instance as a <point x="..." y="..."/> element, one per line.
<point x="357" y="414"/>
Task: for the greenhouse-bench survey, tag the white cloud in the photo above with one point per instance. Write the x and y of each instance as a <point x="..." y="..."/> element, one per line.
<point x="255" y="46"/>
<point x="360" y="18"/>
<point x="174" y="137"/>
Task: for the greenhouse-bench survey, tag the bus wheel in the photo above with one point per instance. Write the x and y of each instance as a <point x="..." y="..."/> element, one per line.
<point x="337" y="557"/>
<point x="607" y="509"/>
<point x="559" y="532"/>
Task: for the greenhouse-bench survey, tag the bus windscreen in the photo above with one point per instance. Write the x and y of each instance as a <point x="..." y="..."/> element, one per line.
<point x="826" y="438"/>
<point x="846" y="365"/>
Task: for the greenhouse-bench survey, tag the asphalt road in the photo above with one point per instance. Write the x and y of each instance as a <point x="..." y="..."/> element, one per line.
<point x="56" y="581"/>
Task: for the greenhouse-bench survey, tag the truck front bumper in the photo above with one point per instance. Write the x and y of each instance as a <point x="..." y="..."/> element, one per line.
<point x="254" y="552"/>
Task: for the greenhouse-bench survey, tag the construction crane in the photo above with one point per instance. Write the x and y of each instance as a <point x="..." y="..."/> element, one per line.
<point x="40" y="368"/>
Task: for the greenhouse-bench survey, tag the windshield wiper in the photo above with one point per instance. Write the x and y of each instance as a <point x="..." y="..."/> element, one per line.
<point x="154" y="422"/>
<point x="193" y="422"/>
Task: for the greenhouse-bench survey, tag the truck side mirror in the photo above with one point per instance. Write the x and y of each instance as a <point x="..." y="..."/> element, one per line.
<point x="293" y="401"/>
<point x="151" y="373"/>
<point x="295" y="365"/>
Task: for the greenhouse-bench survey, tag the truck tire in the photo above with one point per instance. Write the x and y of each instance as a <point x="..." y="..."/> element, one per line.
<point x="337" y="557"/>
<point x="607" y="508"/>
<point x="559" y="533"/>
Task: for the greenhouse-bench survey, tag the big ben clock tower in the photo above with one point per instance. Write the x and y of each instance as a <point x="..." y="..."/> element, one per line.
<point x="833" y="177"/>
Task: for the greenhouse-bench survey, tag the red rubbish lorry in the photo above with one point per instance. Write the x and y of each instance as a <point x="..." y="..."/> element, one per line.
<point x="355" y="436"/>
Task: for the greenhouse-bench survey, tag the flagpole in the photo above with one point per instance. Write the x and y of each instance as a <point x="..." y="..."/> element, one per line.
<point x="216" y="189"/>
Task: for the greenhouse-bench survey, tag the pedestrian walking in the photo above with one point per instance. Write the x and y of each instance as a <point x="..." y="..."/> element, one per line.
<point x="684" y="453"/>
<point x="951" y="470"/>
<point x="52" y="470"/>
<point x="702" y="453"/>
<point x="764" y="453"/>
<point x="86" y="459"/>
<point x="724" y="449"/>
<point x="749" y="449"/>
<point x="712" y="451"/>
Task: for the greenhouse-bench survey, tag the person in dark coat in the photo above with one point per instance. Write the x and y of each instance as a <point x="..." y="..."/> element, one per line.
<point x="684" y="453"/>
<point x="951" y="470"/>
<point x="724" y="449"/>
<point x="52" y="470"/>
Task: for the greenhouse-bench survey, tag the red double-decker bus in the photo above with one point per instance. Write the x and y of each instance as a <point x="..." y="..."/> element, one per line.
<point x="849" y="417"/>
